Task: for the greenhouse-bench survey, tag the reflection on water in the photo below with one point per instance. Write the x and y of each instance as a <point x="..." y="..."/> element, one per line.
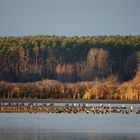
<point x="81" y="126"/>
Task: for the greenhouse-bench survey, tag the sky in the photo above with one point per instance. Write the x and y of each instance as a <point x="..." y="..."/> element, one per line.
<point x="69" y="17"/>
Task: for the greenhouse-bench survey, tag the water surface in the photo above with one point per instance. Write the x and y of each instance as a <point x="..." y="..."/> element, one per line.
<point x="80" y="126"/>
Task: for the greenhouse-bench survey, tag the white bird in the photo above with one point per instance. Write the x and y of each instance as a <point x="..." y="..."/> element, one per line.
<point x="122" y="105"/>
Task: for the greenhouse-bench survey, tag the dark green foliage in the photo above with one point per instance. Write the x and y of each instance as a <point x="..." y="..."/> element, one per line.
<point x="67" y="59"/>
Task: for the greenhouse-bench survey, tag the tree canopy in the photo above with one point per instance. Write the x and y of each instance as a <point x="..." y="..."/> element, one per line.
<point x="68" y="59"/>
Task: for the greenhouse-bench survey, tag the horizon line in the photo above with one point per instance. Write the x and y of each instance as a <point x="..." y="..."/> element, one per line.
<point x="56" y="35"/>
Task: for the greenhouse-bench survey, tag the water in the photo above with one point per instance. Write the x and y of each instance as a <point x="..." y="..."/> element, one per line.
<point x="80" y="126"/>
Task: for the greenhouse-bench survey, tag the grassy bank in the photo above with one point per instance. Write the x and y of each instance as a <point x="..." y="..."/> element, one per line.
<point x="108" y="89"/>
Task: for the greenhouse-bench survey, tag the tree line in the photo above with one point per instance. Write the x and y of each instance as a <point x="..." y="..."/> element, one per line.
<point x="87" y="67"/>
<point x="68" y="59"/>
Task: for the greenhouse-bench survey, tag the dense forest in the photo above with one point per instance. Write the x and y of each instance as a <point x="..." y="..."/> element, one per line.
<point x="80" y="67"/>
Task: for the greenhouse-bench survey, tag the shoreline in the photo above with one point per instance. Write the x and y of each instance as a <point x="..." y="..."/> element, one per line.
<point x="70" y="109"/>
<point x="70" y="101"/>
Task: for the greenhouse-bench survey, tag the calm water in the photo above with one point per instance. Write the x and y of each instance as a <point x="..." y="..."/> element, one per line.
<point x="80" y="126"/>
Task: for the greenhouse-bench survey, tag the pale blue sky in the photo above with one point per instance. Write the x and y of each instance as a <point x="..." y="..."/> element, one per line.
<point x="69" y="17"/>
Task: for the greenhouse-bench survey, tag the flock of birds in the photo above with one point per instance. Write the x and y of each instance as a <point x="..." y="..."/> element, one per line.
<point x="67" y="108"/>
